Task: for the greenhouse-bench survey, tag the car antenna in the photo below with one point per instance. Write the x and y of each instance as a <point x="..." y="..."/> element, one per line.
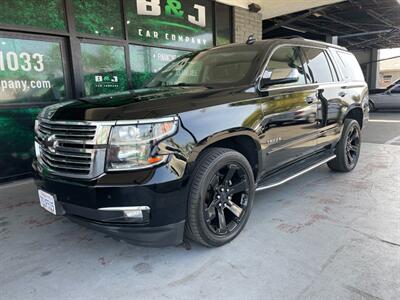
<point x="251" y="39"/>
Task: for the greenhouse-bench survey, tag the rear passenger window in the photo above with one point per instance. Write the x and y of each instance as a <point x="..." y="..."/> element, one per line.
<point x="350" y="67"/>
<point x="318" y="65"/>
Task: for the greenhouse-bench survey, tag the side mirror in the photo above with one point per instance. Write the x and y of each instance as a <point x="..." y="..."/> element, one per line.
<point x="388" y="92"/>
<point x="280" y="76"/>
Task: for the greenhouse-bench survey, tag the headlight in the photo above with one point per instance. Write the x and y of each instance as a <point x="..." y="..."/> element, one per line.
<point x="132" y="146"/>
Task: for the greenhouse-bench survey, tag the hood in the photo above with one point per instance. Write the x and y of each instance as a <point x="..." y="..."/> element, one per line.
<point x="143" y="103"/>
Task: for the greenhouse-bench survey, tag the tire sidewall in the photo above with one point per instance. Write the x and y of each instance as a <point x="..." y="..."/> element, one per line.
<point x="227" y="158"/>
<point x="350" y="124"/>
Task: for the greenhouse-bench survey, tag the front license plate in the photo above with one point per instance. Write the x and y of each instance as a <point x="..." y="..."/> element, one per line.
<point x="47" y="201"/>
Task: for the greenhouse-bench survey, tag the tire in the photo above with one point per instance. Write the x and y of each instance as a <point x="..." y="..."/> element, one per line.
<point x="371" y="106"/>
<point x="348" y="148"/>
<point x="218" y="207"/>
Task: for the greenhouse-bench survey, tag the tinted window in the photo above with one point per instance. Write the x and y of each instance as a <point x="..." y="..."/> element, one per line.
<point x="223" y="24"/>
<point x="349" y="65"/>
<point x="396" y="90"/>
<point x="98" y="17"/>
<point x="225" y="66"/>
<point x="30" y="71"/>
<point x="318" y="65"/>
<point x="48" y="14"/>
<point x="104" y="69"/>
<point x="146" y="61"/>
<point x="285" y="63"/>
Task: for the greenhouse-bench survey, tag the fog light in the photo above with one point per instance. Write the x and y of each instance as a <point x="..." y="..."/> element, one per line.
<point x="136" y="214"/>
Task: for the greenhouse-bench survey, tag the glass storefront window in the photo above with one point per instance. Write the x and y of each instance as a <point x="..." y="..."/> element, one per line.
<point x="31" y="74"/>
<point x="223" y="27"/>
<point x="104" y="69"/>
<point x="46" y="14"/>
<point x="98" y="17"/>
<point x="146" y="61"/>
<point x="186" y="24"/>
<point x="31" y="71"/>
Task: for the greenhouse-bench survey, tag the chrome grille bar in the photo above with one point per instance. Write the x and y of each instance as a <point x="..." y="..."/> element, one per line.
<point x="72" y="149"/>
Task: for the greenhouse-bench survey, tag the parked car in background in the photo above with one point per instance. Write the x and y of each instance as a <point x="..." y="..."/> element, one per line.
<point x="184" y="155"/>
<point x="386" y="99"/>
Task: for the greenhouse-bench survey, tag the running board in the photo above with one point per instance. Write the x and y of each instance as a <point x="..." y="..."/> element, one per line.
<point x="293" y="171"/>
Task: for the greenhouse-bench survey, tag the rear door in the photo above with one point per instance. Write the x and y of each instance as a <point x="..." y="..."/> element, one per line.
<point x="330" y="101"/>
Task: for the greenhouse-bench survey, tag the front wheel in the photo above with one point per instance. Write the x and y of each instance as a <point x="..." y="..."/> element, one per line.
<point x="221" y="197"/>
<point x="348" y="149"/>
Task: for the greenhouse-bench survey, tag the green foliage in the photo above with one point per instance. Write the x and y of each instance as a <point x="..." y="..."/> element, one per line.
<point x="16" y="136"/>
<point x="47" y="14"/>
<point x="98" y="17"/>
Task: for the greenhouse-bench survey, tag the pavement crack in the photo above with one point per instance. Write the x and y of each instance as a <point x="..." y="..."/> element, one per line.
<point x="361" y="293"/>
<point x="373" y="237"/>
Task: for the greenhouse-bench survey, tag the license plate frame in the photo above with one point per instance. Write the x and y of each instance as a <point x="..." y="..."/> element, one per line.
<point x="48" y="201"/>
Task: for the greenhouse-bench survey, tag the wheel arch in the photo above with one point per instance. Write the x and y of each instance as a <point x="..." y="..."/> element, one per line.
<point x="355" y="113"/>
<point x="244" y="141"/>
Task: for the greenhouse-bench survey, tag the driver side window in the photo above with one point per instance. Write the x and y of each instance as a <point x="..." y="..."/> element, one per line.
<point x="396" y="90"/>
<point x="285" y="68"/>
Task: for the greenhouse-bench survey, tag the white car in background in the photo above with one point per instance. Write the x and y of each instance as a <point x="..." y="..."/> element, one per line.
<point x="386" y="99"/>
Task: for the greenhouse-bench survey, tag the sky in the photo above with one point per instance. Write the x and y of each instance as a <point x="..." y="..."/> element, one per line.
<point x="386" y="53"/>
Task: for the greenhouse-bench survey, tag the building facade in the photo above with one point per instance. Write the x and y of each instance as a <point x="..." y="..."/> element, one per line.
<point x="55" y="50"/>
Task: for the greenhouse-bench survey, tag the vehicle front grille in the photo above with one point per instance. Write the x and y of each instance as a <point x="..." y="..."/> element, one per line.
<point x="72" y="149"/>
<point x="68" y="131"/>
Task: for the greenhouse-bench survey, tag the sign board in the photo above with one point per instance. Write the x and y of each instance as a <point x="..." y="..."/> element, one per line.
<point x="176" y="23"/>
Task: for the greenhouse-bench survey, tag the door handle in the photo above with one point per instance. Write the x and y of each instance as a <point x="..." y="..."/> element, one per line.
<point x="310" y="99"/>
<point x="342" y="94"/>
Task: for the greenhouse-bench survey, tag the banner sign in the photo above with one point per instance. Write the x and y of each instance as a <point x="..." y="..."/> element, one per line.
<point x="176" y="23"/>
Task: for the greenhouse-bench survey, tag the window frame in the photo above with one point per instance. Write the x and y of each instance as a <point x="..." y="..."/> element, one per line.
<point x="268" y="58"/>
<point x="324" y="51"/>
<point x="64" y="63"/>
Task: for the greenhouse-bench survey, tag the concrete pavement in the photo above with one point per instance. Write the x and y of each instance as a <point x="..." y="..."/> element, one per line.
<point x="324" y="235"/>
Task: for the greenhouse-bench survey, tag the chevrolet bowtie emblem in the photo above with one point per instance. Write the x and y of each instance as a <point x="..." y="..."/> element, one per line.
<point x="51" y="143"/>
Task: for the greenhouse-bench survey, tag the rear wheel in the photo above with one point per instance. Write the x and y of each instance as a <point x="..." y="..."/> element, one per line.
<point x="371" y="106"/>
<point x="348" y="149"/>
<point x="221" y="197"/>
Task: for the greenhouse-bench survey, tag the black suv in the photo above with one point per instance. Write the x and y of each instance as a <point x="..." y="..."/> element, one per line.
<point x="183" y="156"/>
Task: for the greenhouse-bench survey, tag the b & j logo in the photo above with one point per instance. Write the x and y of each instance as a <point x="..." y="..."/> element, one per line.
<point x="176" y="22"/>
<point x="172" y="8"/>
<point x="106" y="81"/>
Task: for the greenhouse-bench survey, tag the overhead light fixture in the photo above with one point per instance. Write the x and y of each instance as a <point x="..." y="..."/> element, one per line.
<point x="318" y="14"/>
<point x="254" y="8"/>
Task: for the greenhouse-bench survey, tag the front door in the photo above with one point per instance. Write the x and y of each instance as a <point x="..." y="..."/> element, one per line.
<point x="290" y="124"/>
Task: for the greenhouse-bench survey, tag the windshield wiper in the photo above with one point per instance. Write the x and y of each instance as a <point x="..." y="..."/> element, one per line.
<point x="184" y="84"/>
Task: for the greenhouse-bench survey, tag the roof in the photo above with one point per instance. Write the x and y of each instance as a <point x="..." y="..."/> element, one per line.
<point x="292" y="40"/>
<point x="359" y="24"/>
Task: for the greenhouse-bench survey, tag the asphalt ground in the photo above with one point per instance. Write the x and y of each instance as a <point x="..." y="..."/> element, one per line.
<point x="323" y="235"/>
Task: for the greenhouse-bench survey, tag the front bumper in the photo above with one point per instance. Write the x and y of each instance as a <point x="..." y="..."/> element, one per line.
<point x="165" y="196"/>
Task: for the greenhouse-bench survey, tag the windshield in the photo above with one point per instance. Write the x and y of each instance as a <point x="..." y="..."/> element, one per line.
<point x="221" y="66"/>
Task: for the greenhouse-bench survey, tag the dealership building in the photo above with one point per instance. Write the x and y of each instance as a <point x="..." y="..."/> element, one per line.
<point x="54" y="50"/>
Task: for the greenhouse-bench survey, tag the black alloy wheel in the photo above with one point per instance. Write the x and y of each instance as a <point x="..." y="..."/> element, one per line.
<point x="348" y="148"/>
<point x="371" y="106"/>
<point x="353" y="146"/>
<point x="226" y="200"/>
<point x="221" y="197"/>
